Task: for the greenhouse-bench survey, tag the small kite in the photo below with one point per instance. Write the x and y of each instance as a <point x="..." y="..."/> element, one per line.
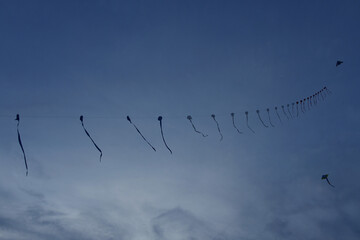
<point x="192" y="124"/>
<point x="268" y="111"/>
<point x="288" y="108"/>
<point x="325" y="177"/>
<point x="338" y="62"/>
<point x="282" y="107"/>
<point x="277" y="113"/>
<point x="20" y="143"/>
<point x="247" y="121"/>
<point x="233" y="122"/>
<point x="218" y="127"/>
<point x="297" y="109"/>
<point x="258" y="113"/>
<point x="92" y="140"/>
<point x="162" y="133"/>
<point x="128" y="118"/>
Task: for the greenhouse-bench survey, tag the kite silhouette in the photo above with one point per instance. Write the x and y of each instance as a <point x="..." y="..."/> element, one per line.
<point x="20" y="143"/>
<point x="218" y="127"/>
<point x="325" y="177"/>
<point x="338" y="62"/>
<point x="189" y="117"/>
<point x="88" y="134"/>
<point x="129" y="119"/>
<point x="162" y="133"/>
<point x="233" y="122"/>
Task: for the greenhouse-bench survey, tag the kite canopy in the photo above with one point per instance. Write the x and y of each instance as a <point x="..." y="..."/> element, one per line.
<point x="338" y="63"/>
<point x="325" y="176"/>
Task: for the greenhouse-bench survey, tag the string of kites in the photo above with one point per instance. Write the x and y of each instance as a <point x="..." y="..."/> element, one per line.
<point x="288" y="110"/>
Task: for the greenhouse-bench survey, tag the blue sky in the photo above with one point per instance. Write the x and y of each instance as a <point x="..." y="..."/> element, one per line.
<point x="109" y="59"/>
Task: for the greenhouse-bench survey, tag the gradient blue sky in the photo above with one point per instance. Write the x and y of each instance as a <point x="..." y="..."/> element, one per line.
<point x="109" y="59"/>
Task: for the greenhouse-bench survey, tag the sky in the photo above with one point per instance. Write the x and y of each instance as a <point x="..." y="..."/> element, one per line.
<point x="109" y="59"/>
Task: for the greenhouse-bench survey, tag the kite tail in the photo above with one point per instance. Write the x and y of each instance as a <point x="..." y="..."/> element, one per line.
<point x="218" y="126"/>
<point x="329" y="183"/>
<point x="20" y="143"/>
<point x="327" y="90"/>
<point x="288" y="108"/>
<point x="92" y="140"/>
<point x="301" y="106"/>
<point x="192" y="124"/>
<point x="277" y="113"/>
<point x="268" y="111"/>
<point x="292" y="108"/>
<point x="162" y="134"/>
<point x="233" y="122"/>
<point x="304" y="104"/>
<point x="308" y="103"/>
<point x="283" y="109"/>
<point x="297" y="109"/>
<point x="258" y="113"/>
<point x="247" y="121"/>
<point x="128" y="118"/>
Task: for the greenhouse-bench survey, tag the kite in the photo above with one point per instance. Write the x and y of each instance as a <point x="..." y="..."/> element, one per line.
<point x="258" y="113"/>
<point x="292" y="108"/>
<point x="20" y="143"/>
<point x="87" y="133"/>
<point x="338" y="62"/>
<point x="276" y="110"/>
<point x="128" y="118"/>
<point x="247" y="121"/>
<point x="268" y="111"/>
<point x="325" y="177"/>
<point x="308" y="102"/>
<point x="192" y="124"/>
<point x="327" y="90"/>
<point x="297" y="109"/>
<point x="289" y="110"/>
<point x="162" y="133"/>
<point x="301" y="106"/>
<point x="233" y="122"/>
<point x="282" y="107"/>
<point x="218" y="127"/>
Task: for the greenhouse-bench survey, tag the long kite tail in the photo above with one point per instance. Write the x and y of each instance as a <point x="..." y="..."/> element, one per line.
<point x="327" y="90"/>
<point x="162" y="134"/>
<point x="297" y="109"/>
<point x="308" y="103"/>
<point x="20" y="143"/>
<point x="304" y="104"/>
<point x="292" y="108"/>
<point x="218" y="126"/>
<point x="329" y="182"/>
<point x="92" y="140"/>
<point x="283" y="109"/>
<point x="247" y="121"/>
<point x="288" y="108"/>
<point x="258" y="113"/>
<point x="268" y="111"/>
<point x="277" y="113"/>
<point x="192" y="124"/>
<point x="128" y="118"/>
<point x="301" y="105"/>
<point x="233" y="122"/>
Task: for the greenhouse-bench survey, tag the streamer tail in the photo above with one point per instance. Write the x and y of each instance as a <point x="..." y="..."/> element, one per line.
<point x="129" y="119"/>
<point x="268" y="111"/>
<point x="162" y="133"/>
<point x="20" y="143"/>
<point x="233" y="122"/>
<point x="277" y="113"/>
<point x="192" y="124"/>
<point x="88" y="134"/>
<point x="218" y="126"/>
<point x="258" y="113"/>
<point x="283" y="109"/>
<point x="247" y="122"/>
